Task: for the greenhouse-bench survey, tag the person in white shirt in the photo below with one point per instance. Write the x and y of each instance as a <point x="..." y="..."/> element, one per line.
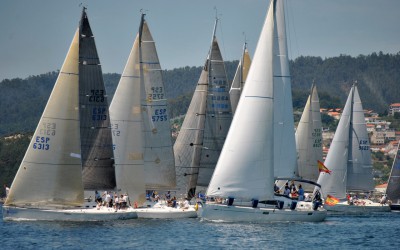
<point x="7" y="190"/>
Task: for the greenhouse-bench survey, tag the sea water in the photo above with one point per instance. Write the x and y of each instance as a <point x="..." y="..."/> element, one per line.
<point x="375" y="231"/>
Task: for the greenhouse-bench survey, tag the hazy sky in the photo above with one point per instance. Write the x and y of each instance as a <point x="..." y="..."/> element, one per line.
<point x="35" y="35"/>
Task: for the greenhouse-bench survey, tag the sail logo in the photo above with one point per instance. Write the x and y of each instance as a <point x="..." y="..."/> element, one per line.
<point x="41" y="143"/>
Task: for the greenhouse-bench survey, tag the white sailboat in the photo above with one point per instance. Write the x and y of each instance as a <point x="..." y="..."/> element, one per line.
<point x="349" y="160"/>
<point x="246" y="169"/>
<point x="393" y="186"/>
<point x="239" y="78"/>
<point x="205" y="127"/>
<point x="141" y="130"/>
<point x="71" y="148"/>
<point x="309" y="140"/>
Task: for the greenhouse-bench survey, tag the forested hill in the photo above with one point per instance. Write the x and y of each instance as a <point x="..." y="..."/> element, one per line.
<point x="378" y="76"/>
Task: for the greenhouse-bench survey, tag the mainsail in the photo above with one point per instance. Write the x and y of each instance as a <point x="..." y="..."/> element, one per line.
<point x="349" y="157"/>
<point x="206" y="124"/>
<point x="245" y="168"/>
<point x="285" y="154"/>
<point x="240" y="78"/>
<point x="127" y="126"/>
<point x="309" y="138"/>
<point x="95" y="131"/>
<point x="159" y="162"/>
<point x="393" y="187"/>
<point x="359" y="168"/>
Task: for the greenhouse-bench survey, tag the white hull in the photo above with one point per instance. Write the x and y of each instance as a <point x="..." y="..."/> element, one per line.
<point x="166" y="213"/>
<point x="219" y="212"/>
<point x="79" y="214"/>
<point x="368" y="207"/>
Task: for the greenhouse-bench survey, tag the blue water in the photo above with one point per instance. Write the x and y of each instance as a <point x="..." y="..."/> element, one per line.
<point x="337" y="232"/>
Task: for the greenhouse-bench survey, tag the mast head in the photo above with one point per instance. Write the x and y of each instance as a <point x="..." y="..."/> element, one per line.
<point x="142" y="21"/>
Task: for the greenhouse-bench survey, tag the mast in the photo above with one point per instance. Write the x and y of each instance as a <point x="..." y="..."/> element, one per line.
<point x="241" y="66"/>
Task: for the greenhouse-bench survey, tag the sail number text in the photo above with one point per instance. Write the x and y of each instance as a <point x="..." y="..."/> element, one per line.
<point x="363" y="145"/>
<point x="160" y="115"/>
<point x="47" y="128"/>
<point x="157" y="93"/>
<point x="99" y="114"/>
<point x="96" y="95"/>
<point x="41" y="143"/>
<point x="317" y="135"/>
<point x="115" y="130"/>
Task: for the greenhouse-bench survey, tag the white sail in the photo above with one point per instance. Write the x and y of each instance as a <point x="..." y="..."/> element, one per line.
<point x="393" y="187"/>
<point x="245" y="167"/>
<point x="51" y="173"/>
<point x="349" y="156"/>
<point x="205" y="127"/>
<point x="359" y="169"/>
<point x="240" y="78"/>
<point x="309" y="138"/>
<point x="285" y="154"/>
<point x="127" y="129"/>
<point x="158" y="154"/>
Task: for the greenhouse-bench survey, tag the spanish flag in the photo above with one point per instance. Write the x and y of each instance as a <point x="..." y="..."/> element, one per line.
<point x="331" y="201"/>
<point x="323" y="168"/>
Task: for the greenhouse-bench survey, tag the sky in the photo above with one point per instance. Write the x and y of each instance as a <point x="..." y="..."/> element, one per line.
<point x="35" y="35"/>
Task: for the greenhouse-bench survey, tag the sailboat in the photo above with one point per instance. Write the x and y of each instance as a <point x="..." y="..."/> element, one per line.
<point x="349" y="160"/>
<point x="309" y="140"/>
<point x="71" y="149"/>
<point x="141" y="130"/>
<point x="393" y="186"/>
<point x="240" y="78"/>
<point x="245" y="172"/>
<point x="205" y="126"/>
